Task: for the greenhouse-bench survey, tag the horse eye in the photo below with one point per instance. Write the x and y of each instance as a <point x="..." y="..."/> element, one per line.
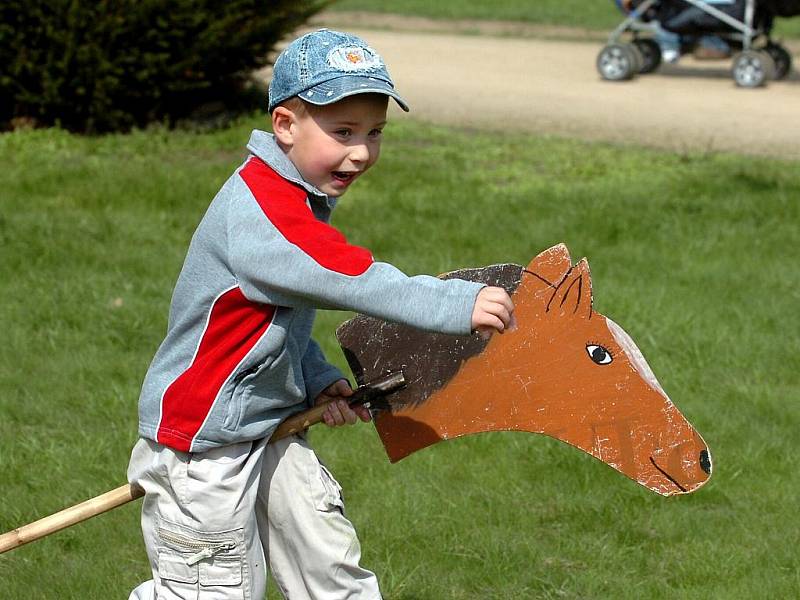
<point x="599" y="354"/>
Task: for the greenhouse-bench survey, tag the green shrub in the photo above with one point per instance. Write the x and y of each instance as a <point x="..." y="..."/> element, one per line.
<point x="109" y="65"/>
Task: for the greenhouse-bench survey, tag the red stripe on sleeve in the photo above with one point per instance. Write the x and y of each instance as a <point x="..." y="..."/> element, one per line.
<point x="284" y="204"/>
<point x="234" y="327"/>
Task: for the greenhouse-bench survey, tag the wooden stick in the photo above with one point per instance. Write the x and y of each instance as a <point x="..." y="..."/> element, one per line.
<point x="126" y="493"/>
<point x="68" y="516"/>
<point x="363" y="395"/>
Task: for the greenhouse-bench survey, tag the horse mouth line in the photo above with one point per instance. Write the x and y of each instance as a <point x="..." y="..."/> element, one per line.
<point x="667" y="475"/>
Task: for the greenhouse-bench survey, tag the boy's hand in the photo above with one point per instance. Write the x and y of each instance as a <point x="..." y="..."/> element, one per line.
<point x="493" y="311"/>
<point x="339" y="411"/>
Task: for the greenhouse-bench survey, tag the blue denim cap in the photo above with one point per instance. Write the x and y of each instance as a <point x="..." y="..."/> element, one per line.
<point x="324" y="66"/>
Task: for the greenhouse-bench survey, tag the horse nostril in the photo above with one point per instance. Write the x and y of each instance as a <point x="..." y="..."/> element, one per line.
<point x="705" y="461"/>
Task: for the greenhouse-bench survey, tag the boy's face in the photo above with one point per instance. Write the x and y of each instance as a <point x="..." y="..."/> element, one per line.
<point x="332" y="145"/>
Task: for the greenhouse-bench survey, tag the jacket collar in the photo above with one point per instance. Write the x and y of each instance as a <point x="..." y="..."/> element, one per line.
<point x="265" y="147"/>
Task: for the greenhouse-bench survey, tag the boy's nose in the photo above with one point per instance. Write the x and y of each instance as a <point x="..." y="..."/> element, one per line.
<point x="359" y="153"/>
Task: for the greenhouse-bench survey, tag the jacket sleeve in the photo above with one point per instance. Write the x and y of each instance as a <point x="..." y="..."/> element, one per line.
<point x="281" y="254"/>
<point x="317" y="372"/>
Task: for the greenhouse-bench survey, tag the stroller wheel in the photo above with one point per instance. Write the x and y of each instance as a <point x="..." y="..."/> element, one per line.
<point x="782" y="58"/>
<point x="617" y="62"/>
<point x="752" y="68"/>
<point x="638" y="58"/>
<point x="651" y="54"/>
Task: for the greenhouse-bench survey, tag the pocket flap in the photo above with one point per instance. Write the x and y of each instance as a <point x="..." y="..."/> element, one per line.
<point x="331" y="497"/>
<point x="173" y="566"/>
<point x="221" y="571"/>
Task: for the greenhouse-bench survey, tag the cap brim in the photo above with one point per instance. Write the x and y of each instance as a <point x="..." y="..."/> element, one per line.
<point x="334" y="90"/>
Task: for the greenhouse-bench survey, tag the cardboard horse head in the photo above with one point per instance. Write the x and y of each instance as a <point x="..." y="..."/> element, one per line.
<point x="566" y="371"/>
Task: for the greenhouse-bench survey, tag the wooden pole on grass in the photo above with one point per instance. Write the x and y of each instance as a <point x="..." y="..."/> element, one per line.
<point x="127" y="493"/>
<point x="68" y="517"/>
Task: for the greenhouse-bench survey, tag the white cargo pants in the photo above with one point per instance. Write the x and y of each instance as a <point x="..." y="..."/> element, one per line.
<point x="213" y="520"/>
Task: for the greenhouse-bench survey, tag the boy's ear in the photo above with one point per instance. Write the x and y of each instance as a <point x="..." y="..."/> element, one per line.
<point x="282" y="120"/>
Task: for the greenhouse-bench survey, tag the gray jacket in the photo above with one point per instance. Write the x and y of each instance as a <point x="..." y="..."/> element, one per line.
<point x="238" y="357"/>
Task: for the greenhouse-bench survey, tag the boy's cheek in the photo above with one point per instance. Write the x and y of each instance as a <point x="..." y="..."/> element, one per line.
<point x="372" y="161"/>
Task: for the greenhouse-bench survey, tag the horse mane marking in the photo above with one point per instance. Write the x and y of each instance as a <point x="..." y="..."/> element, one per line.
<point x="539" y="277"/>
<point x="579" y="281"/>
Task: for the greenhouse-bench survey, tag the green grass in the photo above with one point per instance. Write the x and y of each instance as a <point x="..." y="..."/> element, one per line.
<point x="592" y="14"/>
<point x="578" y="13"/>
<point x="694" y="254"/>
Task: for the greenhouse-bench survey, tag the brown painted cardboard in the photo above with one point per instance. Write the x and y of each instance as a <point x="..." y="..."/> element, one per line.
<point x="566" y="371"/>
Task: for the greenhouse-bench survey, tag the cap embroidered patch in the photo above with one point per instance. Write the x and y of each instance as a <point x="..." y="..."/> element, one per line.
<point x="354" y="58"/>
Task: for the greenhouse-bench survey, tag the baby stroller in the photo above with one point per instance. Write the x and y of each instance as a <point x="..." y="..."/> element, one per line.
<point x="745" y="25"/>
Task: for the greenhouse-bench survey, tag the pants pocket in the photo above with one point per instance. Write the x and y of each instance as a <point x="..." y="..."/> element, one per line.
<point x="174" y="566"/>
<point x="200" y="565"/>
<point x="328" y="494"/>
<point x="221" y="571"/>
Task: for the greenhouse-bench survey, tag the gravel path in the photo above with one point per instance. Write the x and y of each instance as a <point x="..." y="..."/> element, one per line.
<point x="531" y="82"/>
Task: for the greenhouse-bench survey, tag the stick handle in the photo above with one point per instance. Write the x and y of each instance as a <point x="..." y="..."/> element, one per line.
<point x="126" y="493"/>
<point x="68" y="516"/>
<point x="363" y="395"/>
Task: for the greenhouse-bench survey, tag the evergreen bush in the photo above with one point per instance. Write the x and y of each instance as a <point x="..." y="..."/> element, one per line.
<point x="110" y="65"/>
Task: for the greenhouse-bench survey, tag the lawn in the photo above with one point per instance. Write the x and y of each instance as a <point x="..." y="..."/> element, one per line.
<point x="579" y="13"/>
<point x="694" y="254"/>
<point x="591" y="14"/>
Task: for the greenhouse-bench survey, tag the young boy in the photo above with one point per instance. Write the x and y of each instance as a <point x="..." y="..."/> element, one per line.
<point x="221" y="501"/>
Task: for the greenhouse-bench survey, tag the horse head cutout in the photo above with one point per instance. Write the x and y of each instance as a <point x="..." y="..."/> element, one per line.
<point x="565" y="371"/>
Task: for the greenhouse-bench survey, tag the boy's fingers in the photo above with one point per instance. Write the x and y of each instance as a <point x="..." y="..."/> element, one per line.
<point x="363" y="413"/>
<point x="340" y="387"/>
<point x="499" y="302"/>
<point x="341" y="413"/>
<point x="489" y="321"/>
<point x="505" y="300"/>
<point x="498" y="294"/>
<point x="501" y="312"/>
<point x="347" y="412"/>
<point x="493" y="309"/>
<point x="333" y="416"/>
<point x="343" y="388"/>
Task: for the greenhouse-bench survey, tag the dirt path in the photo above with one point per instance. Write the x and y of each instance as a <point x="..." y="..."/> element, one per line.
<point x="551" y="86"/>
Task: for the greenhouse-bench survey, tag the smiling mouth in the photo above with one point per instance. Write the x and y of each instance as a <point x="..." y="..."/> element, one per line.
<point x="344" y="176"/>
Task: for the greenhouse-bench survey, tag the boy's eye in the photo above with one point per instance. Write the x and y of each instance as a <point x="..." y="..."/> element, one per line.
<point x="376" y="132"/>
<point x="342" y="132"/>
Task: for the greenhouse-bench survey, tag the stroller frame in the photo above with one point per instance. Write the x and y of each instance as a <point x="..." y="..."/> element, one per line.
<point x="746" y="35"/>
<point x="751" y="67"/>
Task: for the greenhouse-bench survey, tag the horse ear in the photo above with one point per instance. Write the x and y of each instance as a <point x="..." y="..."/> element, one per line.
<point x="552" y="264"/>
<point x="574" y="294"/>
